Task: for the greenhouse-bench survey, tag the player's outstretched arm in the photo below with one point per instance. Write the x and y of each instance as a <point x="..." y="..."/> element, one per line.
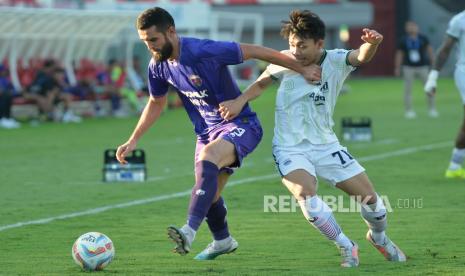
<point x="441" y="58"/>
<point x="149" y="116"/>
<point x="310" y="73"/>
<point x="368" y="49"/>
<point x="230" y="109"/>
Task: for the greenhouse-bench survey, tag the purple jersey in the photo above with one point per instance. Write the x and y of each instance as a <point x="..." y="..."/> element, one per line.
<point x="202" y="79"/>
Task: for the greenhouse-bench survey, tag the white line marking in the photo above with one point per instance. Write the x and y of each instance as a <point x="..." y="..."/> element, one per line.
<point x="405" y="151"/>
<point x="378" y="142"/>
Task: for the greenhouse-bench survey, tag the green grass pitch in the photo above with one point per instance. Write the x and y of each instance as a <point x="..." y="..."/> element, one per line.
<point x="55" y="170"/>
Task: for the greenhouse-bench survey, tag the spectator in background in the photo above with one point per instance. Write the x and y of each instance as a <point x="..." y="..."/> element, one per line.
<point x="106" y="87"/>
<point x="7" y="93"/>
<point x="118" y="84"/>
<point x="64" y="91"/>
<point x="126" y="89"/>
<point x="138" y="77"/>
<point x="47" y="91"/>
<point x="42" y="88"/>
<point x="414" y="56"/>
<point x="85" y="88"/>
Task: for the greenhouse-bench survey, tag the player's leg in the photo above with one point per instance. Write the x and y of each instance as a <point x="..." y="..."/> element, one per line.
<point x="455" y="169"/>
<point x="303" y="186"/>
<point x="68" y="115"/>
<point x="245" y="135"/>
<point x="216" y="216"/>
<point x="408" y="73"/>
<point x="213" y="156"/>
<point x="229" y="145"/>
<point x="374" y="213"/>
<point x="431" y="98"/>
<point x="298" y="175"/>
<point x="223" y="242"/>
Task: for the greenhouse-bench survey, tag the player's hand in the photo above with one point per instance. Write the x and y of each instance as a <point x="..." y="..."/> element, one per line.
<point x="124" y="150"/>
<point x="312" y="73"/>
<point x="431" y="82"/>
<point x="230" y="109"/>
<point x="372" y="36"/>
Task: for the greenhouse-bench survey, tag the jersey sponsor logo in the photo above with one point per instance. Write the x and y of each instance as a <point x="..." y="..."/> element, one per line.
<point x="324" y="88"/>
<point x="205" y="113"/>
<point x="196" y="97"/>
<point x="196" y="94"/>
<point x="318" y="99"/>
<point x="196" y="80"/>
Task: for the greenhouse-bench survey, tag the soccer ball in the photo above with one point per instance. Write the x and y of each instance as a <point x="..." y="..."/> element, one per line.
<point x="93" y="251"/>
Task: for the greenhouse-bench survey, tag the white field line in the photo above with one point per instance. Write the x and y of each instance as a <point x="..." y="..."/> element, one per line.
<point x="388" y="141"/>
<point x="401" y="152"/>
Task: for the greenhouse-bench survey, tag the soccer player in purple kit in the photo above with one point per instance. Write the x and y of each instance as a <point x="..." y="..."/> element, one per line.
<point x="197" y="69"/>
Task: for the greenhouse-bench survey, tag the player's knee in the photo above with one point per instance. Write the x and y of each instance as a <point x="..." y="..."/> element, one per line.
<point x="211" y="154"/>
<point x="374" y="211"/>
<point x="371" y="198"/>
<point x="302" y="192"/>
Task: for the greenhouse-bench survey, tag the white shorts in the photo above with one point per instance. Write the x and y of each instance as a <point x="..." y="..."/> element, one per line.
<point x="331" y="162"/>
<point x="459" y="76"/>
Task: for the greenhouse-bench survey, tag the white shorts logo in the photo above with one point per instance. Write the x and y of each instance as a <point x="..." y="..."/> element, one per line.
<point x="237" y="132"/>
<point x="200" y="192"/>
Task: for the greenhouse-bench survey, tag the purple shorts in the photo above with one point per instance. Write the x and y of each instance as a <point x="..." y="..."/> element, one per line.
<point x="244" y="133"/>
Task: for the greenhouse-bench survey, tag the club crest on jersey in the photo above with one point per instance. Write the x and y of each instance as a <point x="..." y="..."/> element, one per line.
<point x="196" y="80"/>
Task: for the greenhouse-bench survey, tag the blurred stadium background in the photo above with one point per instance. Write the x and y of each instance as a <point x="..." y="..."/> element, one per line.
<point x="50" y="174"/>
<point x="83" y="36"/>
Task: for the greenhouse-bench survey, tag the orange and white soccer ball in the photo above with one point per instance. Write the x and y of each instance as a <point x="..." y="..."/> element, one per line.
<point x="93" y="251"/>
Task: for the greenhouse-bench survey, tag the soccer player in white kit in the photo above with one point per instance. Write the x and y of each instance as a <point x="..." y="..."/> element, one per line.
<point x="455" y="32"/>
<point x="304" y="144"/>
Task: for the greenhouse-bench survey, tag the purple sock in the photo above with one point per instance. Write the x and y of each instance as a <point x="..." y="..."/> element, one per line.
<point x="203" y="193"/>
<point x="216" y="220"/>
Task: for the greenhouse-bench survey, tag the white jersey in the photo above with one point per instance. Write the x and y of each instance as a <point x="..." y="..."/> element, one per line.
<point x="456" y="29"/>
<point x="304" y="111"/>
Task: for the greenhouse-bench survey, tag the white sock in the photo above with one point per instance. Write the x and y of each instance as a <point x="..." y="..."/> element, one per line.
<point x="318" y="213"/>
<point x="375" y="216"/>
<point x="458" y="155"/>
<point x="378" y="237"/>
<point x="454" y="166"/>
<point x="223" y="242"/>
<point x="343" y="240"/>
<point x="189" y="232"/>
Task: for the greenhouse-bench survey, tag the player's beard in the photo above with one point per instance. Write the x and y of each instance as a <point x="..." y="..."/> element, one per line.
<point x="165" y="52"/>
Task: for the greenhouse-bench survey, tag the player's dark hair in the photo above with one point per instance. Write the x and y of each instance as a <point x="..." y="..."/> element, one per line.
<point x="305" y="24"/>
<point x="155" y="17"/>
